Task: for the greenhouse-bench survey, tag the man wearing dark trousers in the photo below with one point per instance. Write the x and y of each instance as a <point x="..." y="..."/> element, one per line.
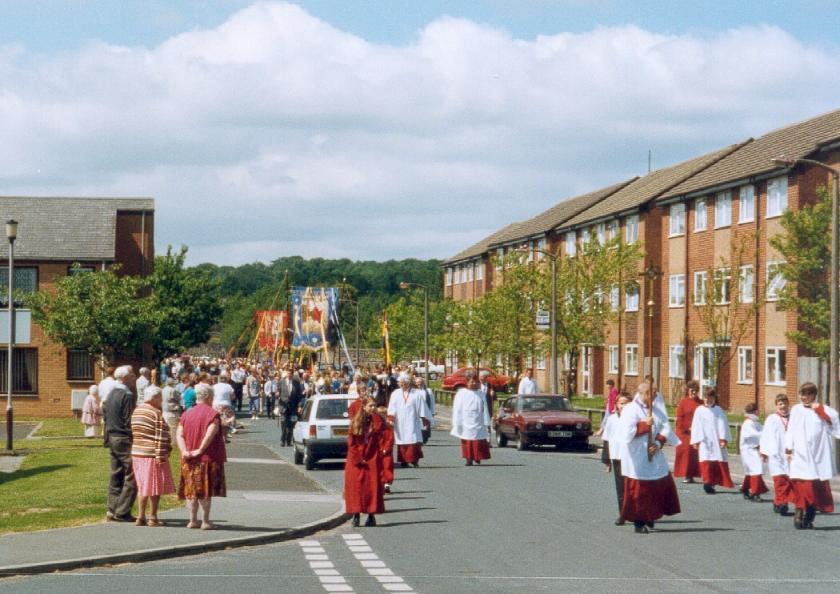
<point x="290" y="395"/>
<point x="122" y="489"/>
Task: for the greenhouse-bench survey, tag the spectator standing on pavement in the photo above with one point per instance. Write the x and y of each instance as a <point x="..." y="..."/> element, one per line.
<point x="203" y="457"/>
<point x="612" y="450"/>
<point x="142" y="383"/>
<point x="686" y="462"/>
<point x="189" y="392"/>
<point x="171" y="405"/>
<point x="106" y="385"/>
<point x="753" y="485"/>
<point x="270" y="389"/>
<point x="150" y="448"/>
<point x="289" y="409"/>
<point x="471" y="421"/>
<point x="612" y="398"/>
<point x="772" y="450"/>
<point x="408" y="414"/>
<point x="363" y="489"/>
<point x="237" y="377"/>
<point x="252" y="385"/>
<point x="527" y="385"/>
<point x="122" y="489"/>
<point x="649" y="490"/>
<point x="91" y="413"/>
<point x="809" y="445"/>
<point x="488" y="389"/>
<point x="710" y="436"/>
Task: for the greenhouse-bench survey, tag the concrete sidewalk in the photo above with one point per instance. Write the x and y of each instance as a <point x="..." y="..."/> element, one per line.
<point x="268" y="500"/>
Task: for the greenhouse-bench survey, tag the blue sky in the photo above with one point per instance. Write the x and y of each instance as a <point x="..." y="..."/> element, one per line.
<point x="376" y="130"/>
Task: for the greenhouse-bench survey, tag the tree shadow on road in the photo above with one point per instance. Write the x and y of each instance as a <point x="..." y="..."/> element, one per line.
<point x="395" y="524"/>
<point x="684" y="530"/>
<point x="408" y="509"/>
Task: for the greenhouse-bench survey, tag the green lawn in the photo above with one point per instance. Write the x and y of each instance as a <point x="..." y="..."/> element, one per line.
<point x="62" y="482"/>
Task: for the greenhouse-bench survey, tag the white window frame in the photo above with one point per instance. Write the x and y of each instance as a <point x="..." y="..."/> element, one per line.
<point x="541" y="247"/>
<point x="479" y="270"/>
<point x="448" y="276"/>
<point x="723" y="209"/>
<point x="676" y="219"/>
<point x="777" y="196"/>
<point x="612" y="358"/>
<point x="723" y="285"/>
<point x="773" y="352"/>
<point x="458" y="275"/>
<point x="746" y="196"/>
<point x="676" y="361"/>
<point x="541" y="362"/>
<point x="631" y="359"/>
<point x="701" y="215"/>
<point x="701" y="288"/>
<point x="585" y="237"/>
<point x="500" y="258"/>
<point x="631" y="298"/>
<point x="615" y="298"/>
<point x="700" y="368"/>
<point x="601" y="233"/>
<point x="631" y="229"/>
<point x="776" y="286"/>
<point x="746" y="365"/>
<point x="746" y="284"/>
<point x="571" y="243"/>
<point x="613" y="229"/>
<point x="676" y="290"/>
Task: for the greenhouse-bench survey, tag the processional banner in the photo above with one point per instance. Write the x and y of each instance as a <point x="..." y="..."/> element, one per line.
<point x="314" y="317"/>
<point x="272" y="325"/>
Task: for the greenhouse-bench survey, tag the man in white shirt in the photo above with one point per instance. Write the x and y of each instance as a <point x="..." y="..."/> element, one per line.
<point x="408" y="414"/>
<point x="527" y="385"/>
<point x="142" y="383"/>
<point x="471" y="421"/>
<point x="238" y="378"/>
<point x="106" y="385"/>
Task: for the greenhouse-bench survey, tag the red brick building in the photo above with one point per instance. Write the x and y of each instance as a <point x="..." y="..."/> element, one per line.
<point x="53" y="234"/>
<point x="687" y="217"/>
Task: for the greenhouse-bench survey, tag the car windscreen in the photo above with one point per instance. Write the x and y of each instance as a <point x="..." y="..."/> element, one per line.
<point x="332" y="409"/>
<point x="553" y="403"/>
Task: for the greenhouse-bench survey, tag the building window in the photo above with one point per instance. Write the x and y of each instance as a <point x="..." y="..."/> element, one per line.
<point x="676" y="361"/>
<point x="500" y="258"/>
<point x="77" y="269"/>
<point x="777" y="196"/>
<point x="612" y="230"/>
<point x="585" y="236"/>
<point x="775" y="366"/>
<point x="24" y="370"/>
<point x="631" y="228"/>
<point x="541" y="247"/>
<point x="479" y="270"/>
<point x="469" y="271"/>
<point x="704" y="363"/>
<point x="631" y="359"/>
<point x="775" y="280"/>
<point x="601" y="233"/>
<point x="746" y="204"/>
<point x="541" y="362"/>
<point x="745" y="365"/>
<point x="80" y="366"/>
<point x="677" y="219"/>
<point x="723" y="285"/>
<point x="614" y="297"/>
<point x="746" y="284"/>
<point x="26" y="281"/>
<point x="449" y="277"/>
<point x="700" y="278"/>
<point x="571" y="243"/>
<point x="612" y="350"/>
<point x="631" y="298"/>
<point x="700" y="214"/>
<point x="723" y="210"/>
<point x="676" y="293"/>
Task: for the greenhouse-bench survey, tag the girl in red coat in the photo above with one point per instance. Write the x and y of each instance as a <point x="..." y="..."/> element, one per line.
<point x="363" y="492"/>
<point x="387" y="448"/>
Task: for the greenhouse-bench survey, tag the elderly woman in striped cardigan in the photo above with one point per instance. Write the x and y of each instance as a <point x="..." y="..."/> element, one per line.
<point x="151" y="445"/>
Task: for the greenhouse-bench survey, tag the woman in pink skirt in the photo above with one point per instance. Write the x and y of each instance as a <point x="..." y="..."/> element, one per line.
<point x="150" y="449"/>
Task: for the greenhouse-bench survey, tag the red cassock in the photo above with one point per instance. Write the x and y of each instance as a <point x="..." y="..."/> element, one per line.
<point x="387" y="445"/>
<point x="754" y="485"/>
<point x="686" y="462"/>
<point x="363" y="490"/>
<point x="816" y="493"/>
<point x="409" y="453"/>
<point x="647" y="501"/>
<point x="715" y="472"/>
<point x="782" y="490"/>
<point x="475" y="449"/>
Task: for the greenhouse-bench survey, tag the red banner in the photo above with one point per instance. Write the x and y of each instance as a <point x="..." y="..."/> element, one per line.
<point x="271" y="328"/>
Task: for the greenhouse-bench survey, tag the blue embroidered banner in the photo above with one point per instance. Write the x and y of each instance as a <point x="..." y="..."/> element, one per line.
<point x="314" y="317"/>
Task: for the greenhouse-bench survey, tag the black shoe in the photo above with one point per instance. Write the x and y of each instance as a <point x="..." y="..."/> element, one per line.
<point x="649" y="525"/>
<point x="640" y="528"/>
<point x="355" y="522"/>
<point x="746" y="494"/>
<point x="688" y="481"/>
<point x="619" y="521"/>
<point x="756" y="499"/>
<point x="777" y="509"/>
<point x="371" y="520"/>
<point x="403" y="464"/>
<point x="709" y="489"/>
<point x="387" y="488"/>
<point x="415" y="464"/>
<point x="125" y="518"/>
<point x="468" y="463"/>
<point x="783" y="510"/>
<point x="478" y="462"/>
<point x="808" y="520"/>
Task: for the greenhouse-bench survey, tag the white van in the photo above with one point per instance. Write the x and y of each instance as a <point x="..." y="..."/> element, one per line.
<point x="322" y="430"/>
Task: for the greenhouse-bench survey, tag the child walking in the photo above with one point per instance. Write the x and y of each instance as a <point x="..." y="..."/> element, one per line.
<point x="753" y="485"/>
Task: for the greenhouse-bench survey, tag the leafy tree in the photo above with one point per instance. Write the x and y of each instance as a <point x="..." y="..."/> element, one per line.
<point x="100" y="312"/>
<point x="805" y="246"/>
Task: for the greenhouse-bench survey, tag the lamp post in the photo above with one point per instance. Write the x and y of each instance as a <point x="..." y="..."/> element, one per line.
<point x="834" y="328"/>
<point x="553" y="368"/>
<point x="650" y="273"/>
<point x="404" y="285"/>
<point x="11" y="234"/>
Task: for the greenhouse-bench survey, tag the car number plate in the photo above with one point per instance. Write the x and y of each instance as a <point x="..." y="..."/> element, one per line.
<point x="559" y="433"/>
<point x="340" y="430"/>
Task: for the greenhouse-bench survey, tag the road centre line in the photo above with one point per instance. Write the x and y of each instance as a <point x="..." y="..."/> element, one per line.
<point x="329" y="577"/>
<point x="375" y="567"/>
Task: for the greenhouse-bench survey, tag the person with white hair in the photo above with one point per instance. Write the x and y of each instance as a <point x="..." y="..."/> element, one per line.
<point x="408" y="414"/>
<point x="91" y="414"/>
<point x="150" y="448"/>
<point x="122" y="488"/>
<point x="142" y="383"/>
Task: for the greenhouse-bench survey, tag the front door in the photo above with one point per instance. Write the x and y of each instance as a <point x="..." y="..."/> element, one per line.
<point x="703" y="366"/>
<point x="586" y="370"/>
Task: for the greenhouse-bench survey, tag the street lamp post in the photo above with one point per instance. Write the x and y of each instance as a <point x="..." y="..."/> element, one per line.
<point x="553" y="369"/>
<point x="834" y="328"/>
<point x="405" y="285"/>
<point x="11" y="234"/>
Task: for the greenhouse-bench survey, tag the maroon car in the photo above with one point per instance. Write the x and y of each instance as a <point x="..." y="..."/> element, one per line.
<point x="541" y="419"/>
<point x="458" y="379"/>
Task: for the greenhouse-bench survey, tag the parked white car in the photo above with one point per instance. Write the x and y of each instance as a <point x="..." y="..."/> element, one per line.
<point x="435" y="371"/>
<point x="322" y="430"/>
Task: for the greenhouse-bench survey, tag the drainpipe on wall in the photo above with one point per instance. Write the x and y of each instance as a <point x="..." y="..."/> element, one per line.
<point x="143" y="243"/>
<point x="756" y="276"/>
<point x="689" y="281"/>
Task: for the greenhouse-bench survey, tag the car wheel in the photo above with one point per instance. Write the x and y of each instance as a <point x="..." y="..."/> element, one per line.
<point x="501" y="440"/>
<point x="308" y="459"/>
<point x="298" y="456"/>
<point x="521" y="444"/>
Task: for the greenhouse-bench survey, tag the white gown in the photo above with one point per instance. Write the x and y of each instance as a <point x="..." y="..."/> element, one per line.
<point x="470" y="417"/>
<point x="634" y="457"/>
<point x="772" y="444"/>
<point x="709" y="426"/>
<point x="407" y="411"/>
<point x="750" y="438"/>
<point x="810" y="439"/>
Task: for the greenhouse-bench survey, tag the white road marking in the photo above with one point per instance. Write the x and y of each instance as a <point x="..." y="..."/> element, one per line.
<point x="366" y="556"/>
<point x="317" y="558"/>
<point x="353" y="537"/>
<point x="375" y="567"/>
<point x="330" y="578"/>
<point x="360" y="548"/>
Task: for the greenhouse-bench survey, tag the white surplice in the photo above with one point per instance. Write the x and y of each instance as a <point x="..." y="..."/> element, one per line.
<point x="527" y="386"/>
<point x="772" y="444"/>
<point x="611" y="436"/>
<point x="470" y="417"/>
<point x="408" y="408"/>
<point x="709" y="426"/>
<point x="634" y="456"/>
<point x="748" y="444"/>
<point x="809" y="437"/>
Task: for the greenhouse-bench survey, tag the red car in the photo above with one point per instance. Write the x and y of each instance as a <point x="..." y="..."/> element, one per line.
<point x="541" y="419"/>
<point x="458" y="379"/>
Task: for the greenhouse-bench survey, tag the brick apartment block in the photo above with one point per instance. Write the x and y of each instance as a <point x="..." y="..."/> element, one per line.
<point x="661" y="210"/>
<point x="53" y="234"/>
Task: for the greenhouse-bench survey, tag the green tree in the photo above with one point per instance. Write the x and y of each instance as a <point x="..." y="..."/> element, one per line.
<point x="100" y="312"/>
<point x="805" y="246"/>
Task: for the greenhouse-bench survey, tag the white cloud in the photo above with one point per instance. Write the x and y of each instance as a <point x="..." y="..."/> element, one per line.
<point x="276" y="134"/>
